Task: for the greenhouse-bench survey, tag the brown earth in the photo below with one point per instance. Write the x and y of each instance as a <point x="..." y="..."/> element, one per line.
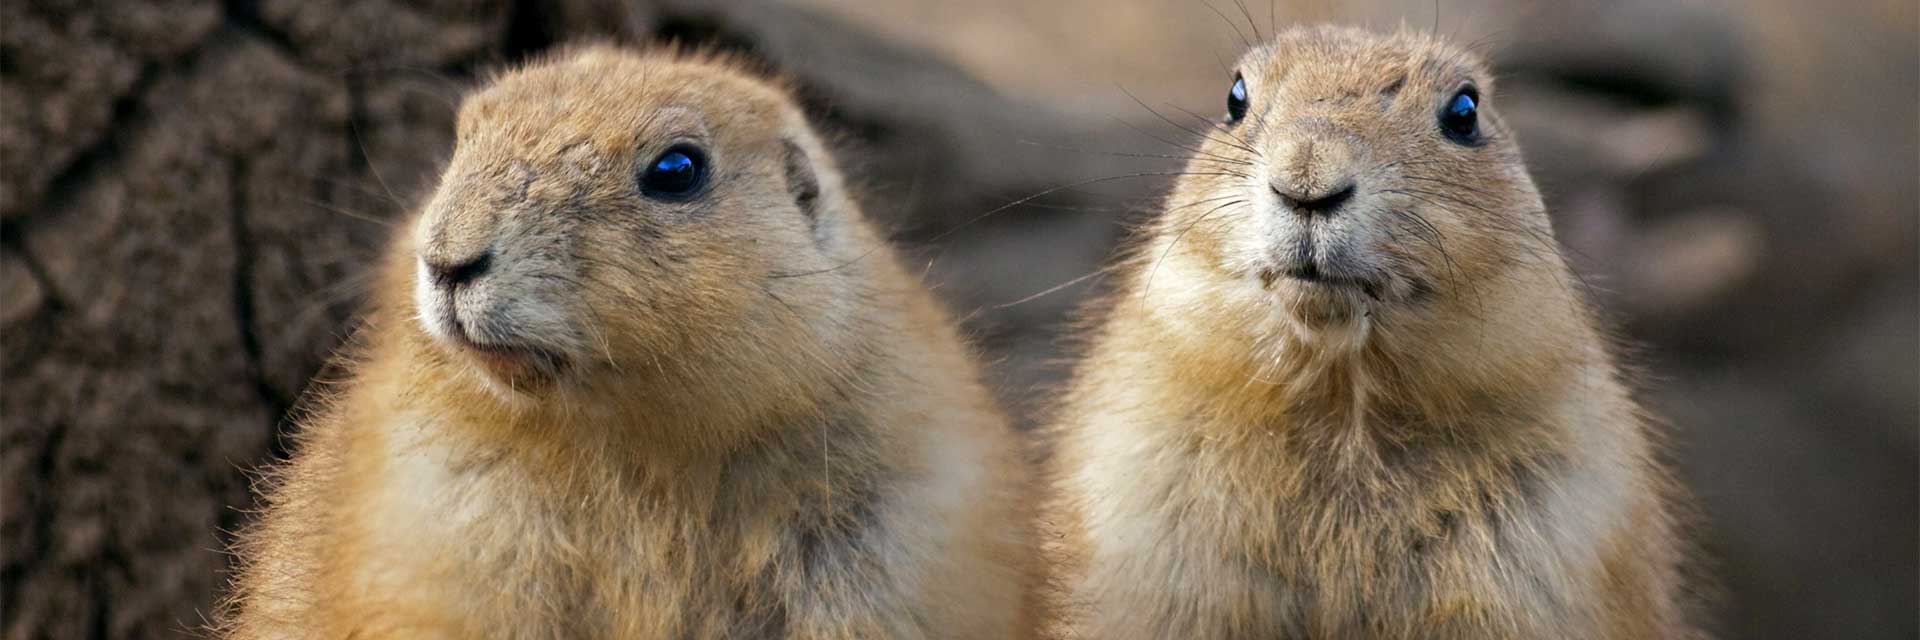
<point x="190" y="192"/>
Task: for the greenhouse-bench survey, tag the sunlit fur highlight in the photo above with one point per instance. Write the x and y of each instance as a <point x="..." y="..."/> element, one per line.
<point x="1448" y="452"/>
<point x="754" y="422"/>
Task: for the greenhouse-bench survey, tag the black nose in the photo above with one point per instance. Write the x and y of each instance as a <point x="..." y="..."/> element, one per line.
<point x="452" y="274"/>
<point x="1325" y="203"/>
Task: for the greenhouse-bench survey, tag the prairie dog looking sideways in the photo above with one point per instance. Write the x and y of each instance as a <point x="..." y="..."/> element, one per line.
<point x="641" y="369"/>
<point x="1346" y="389"/>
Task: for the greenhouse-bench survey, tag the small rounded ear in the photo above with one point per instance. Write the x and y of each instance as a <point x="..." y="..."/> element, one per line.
<point x="802" y="184"/>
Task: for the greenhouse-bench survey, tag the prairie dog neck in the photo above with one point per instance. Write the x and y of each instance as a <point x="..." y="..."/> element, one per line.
<point x="1452" y="359"/>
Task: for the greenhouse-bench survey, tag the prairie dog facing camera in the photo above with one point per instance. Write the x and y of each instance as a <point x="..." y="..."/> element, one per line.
<point x="1345" y="388"/>
<point x="640" y="368"/>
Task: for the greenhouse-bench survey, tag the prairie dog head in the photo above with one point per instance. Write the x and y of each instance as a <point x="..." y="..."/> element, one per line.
<point x="609" y="214"/>
<point x="1354" y="176"/>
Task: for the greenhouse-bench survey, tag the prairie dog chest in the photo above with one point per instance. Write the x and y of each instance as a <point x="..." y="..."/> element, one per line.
<point x="1304" y="544"/>
<point x="455" y="528"/>
<point x="767" y="539"/>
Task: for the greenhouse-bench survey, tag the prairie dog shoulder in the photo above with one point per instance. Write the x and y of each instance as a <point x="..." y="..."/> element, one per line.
<point x="1345" y="388"/>
<point x="641" y="368"/>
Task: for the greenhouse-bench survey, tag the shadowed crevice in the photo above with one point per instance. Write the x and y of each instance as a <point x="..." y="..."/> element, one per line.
<point x="244" y="16"/>
<point x="27" y="341"/>
<point x="89" y="161"/>
<point x="243" y="307"/>
<point x="44" y="513"/>
<point x="531" y="30"/>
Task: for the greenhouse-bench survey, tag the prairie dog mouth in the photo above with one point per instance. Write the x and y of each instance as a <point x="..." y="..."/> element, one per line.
<point x="515" y="362"/>
<point x="1310" y="274"/>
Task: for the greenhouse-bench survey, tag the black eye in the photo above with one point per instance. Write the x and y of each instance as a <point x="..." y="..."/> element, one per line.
<point x="1237" y="99"/>
<point x="1460" y="120"/>
<point x="676" y="174"/>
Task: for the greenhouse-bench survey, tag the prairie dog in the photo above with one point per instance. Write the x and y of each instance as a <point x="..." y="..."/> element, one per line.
<point x="641" y="369"/>
<point x="1345" y="389"/>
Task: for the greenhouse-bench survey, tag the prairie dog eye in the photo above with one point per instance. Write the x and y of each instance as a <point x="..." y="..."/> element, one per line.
<point x="1237" y="99"/>
<point x="1460" y="120"/>
<point x="675" y="174"/>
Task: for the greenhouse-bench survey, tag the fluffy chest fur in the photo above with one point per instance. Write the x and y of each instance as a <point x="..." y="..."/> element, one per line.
<point x="716" y="552"/>
<point x="799" y="538"/>
<point x="1342" y="526"/>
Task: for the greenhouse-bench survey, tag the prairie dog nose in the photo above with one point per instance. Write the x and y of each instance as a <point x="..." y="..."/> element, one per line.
<point x="1324" y="202"/>
<point x="1314" y="162"/>
<point x="450" y="274"/>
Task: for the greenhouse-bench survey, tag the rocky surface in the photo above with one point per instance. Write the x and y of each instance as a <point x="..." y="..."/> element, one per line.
<point x="190" y="193"/>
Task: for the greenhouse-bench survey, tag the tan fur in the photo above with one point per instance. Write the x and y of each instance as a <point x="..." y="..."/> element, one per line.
<point x="728" y="419"/>
<point x="1447" y="452"/>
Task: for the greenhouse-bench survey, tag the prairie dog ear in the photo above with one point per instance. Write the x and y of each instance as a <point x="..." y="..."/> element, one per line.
<point x="802" y="183"/>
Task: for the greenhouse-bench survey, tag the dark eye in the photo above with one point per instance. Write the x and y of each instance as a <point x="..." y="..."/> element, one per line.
<point x="1237" y="99"/>
<point x="676" y="174"/>
<point x="1460" y="120"/>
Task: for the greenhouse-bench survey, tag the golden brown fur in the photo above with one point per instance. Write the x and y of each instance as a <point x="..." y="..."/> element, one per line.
<point x="1422" y="436"/>
<point x="729" y="416"/>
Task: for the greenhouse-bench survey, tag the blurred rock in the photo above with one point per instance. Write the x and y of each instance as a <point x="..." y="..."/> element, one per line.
<point x="382" y="33"/>
<point x="20" y="291"/>
<point x="1688" y="262"/>
<point x="1652" y="52"/>
<point x="1617" y="140"/>
<point x="70" y="68"/>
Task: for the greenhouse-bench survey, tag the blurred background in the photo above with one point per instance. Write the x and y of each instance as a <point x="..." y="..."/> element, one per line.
<point x="190" y="192"/>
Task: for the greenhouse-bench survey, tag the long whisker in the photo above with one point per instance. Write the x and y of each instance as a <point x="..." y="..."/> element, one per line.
<point x="1176" y="241"/>
<point x="1195" y="150"/>
<point x="1250" y="23"/>
<point x="956" y="228"/>
<point x="1224" y="70"/>
<point x="1215" y="124"/>
<point x="1056" y="288"/>
<point x="1081" y="183"/>
<point x="1451" y="198"/>
<point x="1426" y="232"/>
<point x="1542" y="248"/>
<point x="1223" y="17"/>
<point x="1170" y="121"/>
<point x="1200" y="202"/>
<point x="367" y="160"/>
<point x="1123" y="154"/>
<point x="1453" y="268"/>
<point x="348" y="288"/>
<point x="350" y="184"/>
<point x="344" y="212"/>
